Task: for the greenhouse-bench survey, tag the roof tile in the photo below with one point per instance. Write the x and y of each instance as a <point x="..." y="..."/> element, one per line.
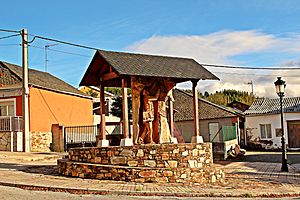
<point x="272" y="106"/>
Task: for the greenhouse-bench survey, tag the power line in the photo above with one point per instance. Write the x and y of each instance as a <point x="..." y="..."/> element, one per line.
<point x="9" y="36"/>
<point x="93" y="48"/>
<point x="246" y="67"/>
<point x="62" y="42"/>
<point x="255" y="74"/>
<point x="66" y="52"/>
<point x="9" y="31"/>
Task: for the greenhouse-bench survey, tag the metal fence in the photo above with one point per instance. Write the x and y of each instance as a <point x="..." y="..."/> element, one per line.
<point x="11" y="124"/>
<point x="80" y="136"/>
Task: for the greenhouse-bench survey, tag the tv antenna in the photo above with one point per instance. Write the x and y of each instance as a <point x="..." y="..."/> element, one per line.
<point x="46" y="54"/>
<point x="251" y="83"/>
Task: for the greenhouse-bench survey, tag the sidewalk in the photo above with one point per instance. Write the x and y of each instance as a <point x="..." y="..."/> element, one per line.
<point x="37" y="171"/>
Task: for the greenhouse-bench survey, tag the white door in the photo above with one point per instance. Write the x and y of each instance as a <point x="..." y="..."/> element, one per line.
<point x="213" y="129"/>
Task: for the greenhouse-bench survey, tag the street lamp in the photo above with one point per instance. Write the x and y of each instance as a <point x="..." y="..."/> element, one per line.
<point x="280" y="86"/>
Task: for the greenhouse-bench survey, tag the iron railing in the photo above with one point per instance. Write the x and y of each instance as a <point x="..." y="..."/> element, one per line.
<point x="79" y="134"/>
<point x="11" y="124"/>
<point x="85" y="135"/>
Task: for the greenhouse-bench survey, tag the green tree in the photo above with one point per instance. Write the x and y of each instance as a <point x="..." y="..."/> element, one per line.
<point x="116" y="108"/>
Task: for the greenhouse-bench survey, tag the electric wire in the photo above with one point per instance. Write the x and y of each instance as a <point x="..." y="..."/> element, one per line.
<point x="62" y="42"/>
<point x="66" y="52"/>
<point x="9" y="36"/>
<point x="9" y="31"/>
<point x="93" y="48"/>
<point x="250" y="68"/>
<point x="239" y="74"/>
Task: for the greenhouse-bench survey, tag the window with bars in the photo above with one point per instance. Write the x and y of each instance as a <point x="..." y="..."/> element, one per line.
<point x="265" y="131"/>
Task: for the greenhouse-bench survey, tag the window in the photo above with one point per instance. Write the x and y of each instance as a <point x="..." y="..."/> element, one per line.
<point x="265" y="131"/>
<point x="7" y="108"/>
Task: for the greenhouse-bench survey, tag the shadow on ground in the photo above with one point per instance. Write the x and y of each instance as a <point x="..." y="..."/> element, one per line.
<point x="273" y="157"/>
<point x="37" y="169"/>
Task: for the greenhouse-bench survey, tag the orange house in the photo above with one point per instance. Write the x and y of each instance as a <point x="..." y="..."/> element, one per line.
<point x="51" y="101"/>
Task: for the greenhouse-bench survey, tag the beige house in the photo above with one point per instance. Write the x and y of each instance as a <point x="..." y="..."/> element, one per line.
<point x="217" y="123"/>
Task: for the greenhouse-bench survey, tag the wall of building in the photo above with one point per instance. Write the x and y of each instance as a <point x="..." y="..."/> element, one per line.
<point x="47" y="108"/>
<point x="187" y="127"/>
<point x="253" y="128"/>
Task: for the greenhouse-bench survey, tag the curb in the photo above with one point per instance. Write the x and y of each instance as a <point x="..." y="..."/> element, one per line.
<point x="141" y="193"/>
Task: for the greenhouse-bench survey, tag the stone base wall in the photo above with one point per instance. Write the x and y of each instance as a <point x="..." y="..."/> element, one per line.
<point x="144" y="163"/>
<point x="40" y="141"/>
<point x="5" y="141"/>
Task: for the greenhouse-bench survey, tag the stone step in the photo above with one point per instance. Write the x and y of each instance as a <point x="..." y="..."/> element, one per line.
<point x="139" y="174"/>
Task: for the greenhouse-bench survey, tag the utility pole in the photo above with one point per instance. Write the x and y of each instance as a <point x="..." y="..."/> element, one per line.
<point x="25" y="107"/>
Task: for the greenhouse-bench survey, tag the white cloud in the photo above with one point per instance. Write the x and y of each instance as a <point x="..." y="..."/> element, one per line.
<point x="220" y="48"/>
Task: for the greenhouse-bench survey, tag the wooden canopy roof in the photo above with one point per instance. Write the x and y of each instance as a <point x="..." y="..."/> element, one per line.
<point x="110" y="67"/>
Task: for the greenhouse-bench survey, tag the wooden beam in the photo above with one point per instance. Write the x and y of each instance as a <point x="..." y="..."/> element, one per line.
<point x="102" y="113"/>
<point x="155" y="123"/>
<point x="109" y="76"/>
<point x="125" y="108"/>
<point x="196" y="109"/>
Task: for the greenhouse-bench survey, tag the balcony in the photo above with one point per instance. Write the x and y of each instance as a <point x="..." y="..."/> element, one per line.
<point x="11" y="124"/>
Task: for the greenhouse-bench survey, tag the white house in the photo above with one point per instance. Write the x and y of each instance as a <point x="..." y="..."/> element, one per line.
<point x="263" y="122"/>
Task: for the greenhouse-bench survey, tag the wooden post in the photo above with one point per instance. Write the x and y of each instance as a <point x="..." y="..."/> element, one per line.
<point x="126" y="141"/>
<point x="135" y="93"/>
<point x="125" y="108"/>
<point x="102" y="142"/>
<point x="196" y="138"/>
<point x="102" y="113"/>
<point x="196" y="109"/>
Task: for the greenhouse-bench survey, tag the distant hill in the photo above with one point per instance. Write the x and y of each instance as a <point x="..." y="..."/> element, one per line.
<point x="227" y="96"/>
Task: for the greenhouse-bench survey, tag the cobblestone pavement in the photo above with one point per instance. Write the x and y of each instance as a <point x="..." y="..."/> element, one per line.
<point x="243" y="179"/>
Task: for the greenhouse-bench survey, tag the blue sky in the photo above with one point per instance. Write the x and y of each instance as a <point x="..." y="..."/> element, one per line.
<point x="251" y="33"/>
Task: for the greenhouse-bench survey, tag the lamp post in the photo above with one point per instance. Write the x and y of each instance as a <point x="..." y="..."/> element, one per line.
<point x="280" y="86"/>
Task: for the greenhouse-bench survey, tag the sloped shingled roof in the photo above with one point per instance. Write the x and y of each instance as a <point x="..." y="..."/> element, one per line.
<point x="43" y="80"/>
<point x="150" y="65"/>
<point x="272" y="106"/>
<point x="207" y="110"/>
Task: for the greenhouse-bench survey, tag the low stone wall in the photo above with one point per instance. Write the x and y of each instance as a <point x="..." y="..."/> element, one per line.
<point x="144" y="163"/>
<point x="40" y="141"/>
<point x="5" y="141"/>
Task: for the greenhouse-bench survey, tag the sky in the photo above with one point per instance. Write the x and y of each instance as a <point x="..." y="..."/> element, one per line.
<point x="252" y="33"/>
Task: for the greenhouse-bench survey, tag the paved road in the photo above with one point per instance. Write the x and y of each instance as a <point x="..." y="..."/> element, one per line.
<point x="8" y="193"/>
<point x="275" y="157"/>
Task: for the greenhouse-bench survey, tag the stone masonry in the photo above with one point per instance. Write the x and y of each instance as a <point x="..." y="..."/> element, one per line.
<point x="40" y="141"/>
<point x="174" y="163"/>
<point x="5" y="141"/>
